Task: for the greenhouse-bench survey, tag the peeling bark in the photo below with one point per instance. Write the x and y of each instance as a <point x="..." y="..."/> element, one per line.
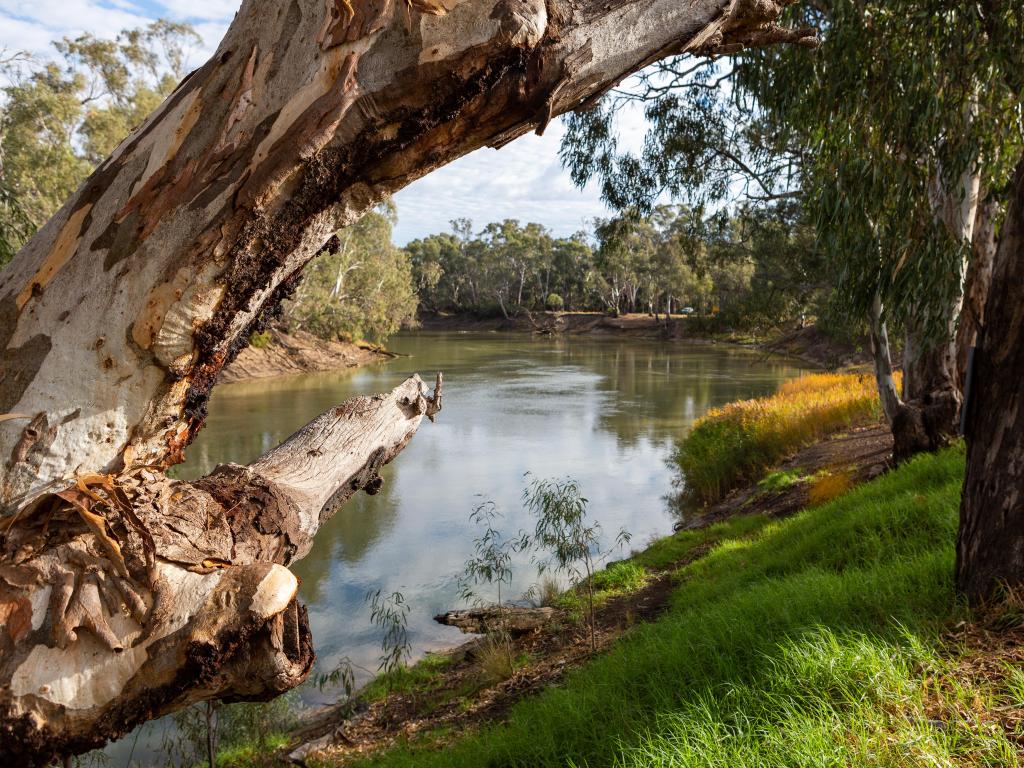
<point x="126" y="594"/>
<point x="119" y="314"/>
<point x="929" y="418"/>
<point x="129" y="596"/>
<point x="976" y="282"/>
<point x="990" y="544"/>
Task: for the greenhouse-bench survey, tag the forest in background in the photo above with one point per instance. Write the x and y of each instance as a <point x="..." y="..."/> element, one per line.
<point x="746" y="266"/>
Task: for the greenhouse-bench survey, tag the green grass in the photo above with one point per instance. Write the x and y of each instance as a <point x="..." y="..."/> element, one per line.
<point x="780" y="480"/>
<point x="247" y="755"/>
<point x="682" y="545"/>
<point x="619" y="578"/>
<point x="802" y="642"/>
<point x="424" y="675"/>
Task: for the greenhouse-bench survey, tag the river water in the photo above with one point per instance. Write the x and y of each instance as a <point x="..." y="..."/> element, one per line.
<point x="603" y="411"/>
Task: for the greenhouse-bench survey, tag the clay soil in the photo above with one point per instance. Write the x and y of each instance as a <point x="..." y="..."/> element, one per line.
<point x="299" y="352"/>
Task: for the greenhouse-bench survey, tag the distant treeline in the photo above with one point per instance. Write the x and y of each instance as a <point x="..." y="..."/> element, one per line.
<point x="754" y="267"/>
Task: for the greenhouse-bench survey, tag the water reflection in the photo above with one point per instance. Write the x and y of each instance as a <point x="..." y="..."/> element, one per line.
<point x="604" y="411"/>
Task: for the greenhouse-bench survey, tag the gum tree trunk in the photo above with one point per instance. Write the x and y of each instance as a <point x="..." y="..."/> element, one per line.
<point x="977" y="282"/>
<point x="930" y="414"/>
<point x="990" y="544"/>
<point x="125" y="594"/>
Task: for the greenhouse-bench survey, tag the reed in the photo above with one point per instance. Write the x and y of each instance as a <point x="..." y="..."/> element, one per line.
<point x="739" y="442"/>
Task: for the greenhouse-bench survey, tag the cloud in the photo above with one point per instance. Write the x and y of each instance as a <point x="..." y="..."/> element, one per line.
<point x="524" y="180"/>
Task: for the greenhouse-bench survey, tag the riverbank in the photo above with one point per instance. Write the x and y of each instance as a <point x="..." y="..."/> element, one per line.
<point x="806" y="617"/>
<point x="831" y="636"/>
<point x="276" y="353"/>
<point x="808" y="344"/>
<point x="458" y="691"/>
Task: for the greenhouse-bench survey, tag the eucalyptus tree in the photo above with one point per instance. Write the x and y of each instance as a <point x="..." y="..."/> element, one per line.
<point x="906" y="124"/>
<point x="890" y="135"/>
<point x="61" y="117"/>
<point x="125" y="593"/>
<point x="903" y="130"/>
<point x="990" y="543"/>
<point x="361" y="286"/>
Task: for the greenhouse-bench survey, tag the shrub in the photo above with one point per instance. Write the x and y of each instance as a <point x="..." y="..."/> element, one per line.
<point x="554" y="301"/>
<point x="496" y="664"/>
<point x="259" y="339"/>
<point x="548" y="591"/>
<point x="737" y="443"/>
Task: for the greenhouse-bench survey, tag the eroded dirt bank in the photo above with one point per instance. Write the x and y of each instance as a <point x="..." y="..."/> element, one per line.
<point x="290" y="353"/>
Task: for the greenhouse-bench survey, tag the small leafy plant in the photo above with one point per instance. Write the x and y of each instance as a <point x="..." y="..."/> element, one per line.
<point x="572" y="542"/>
<point x="491" y="564"/>
<point x="390" y="612"/>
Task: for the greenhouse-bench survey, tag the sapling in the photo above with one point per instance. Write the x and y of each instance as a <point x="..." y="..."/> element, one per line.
<point x="391" y="613"/>
<point x="491" y="563"/>
<point x="571" y="542"/>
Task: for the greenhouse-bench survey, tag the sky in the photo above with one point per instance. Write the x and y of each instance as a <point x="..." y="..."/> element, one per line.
<point x="524" y="180"/>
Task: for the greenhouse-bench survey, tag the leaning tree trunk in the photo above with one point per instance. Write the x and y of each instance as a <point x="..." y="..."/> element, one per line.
<point x="990" y="544"/>
<point x="930" y="414"/>
<point x="885" y="379"/>
<point x="125" y="594"/>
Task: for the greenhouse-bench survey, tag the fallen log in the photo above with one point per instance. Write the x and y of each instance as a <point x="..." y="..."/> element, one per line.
<point x="126" y="597"/>
<point x="514" y="619"/>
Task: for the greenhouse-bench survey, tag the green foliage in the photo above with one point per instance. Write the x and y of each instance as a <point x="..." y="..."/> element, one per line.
<point x="809" y="643"/>
<point x="491" y="564"/>
<point x="901" y="96"/>
<point x="757" y="268"/>
<point x="259" y="339"/>
<point x="501" y="269"/>
<point x="241" y="731"/>
<point x="619" y="578"/>
<point x="390" y="612"/>
<point x="58" y="120"/>
<point x="360" y="287"/>
<point x="568" y="541"/>
<point x="780" y="480"/>
<point x="424" y="675"/>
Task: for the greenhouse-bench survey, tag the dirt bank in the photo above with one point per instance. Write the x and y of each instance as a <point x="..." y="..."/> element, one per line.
<point x="289" y="353"/>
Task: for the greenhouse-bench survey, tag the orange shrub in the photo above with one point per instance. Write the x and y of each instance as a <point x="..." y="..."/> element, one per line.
<point x="740" y="441"/>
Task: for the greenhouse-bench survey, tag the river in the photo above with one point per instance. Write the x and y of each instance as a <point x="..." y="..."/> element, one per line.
<point x="603" y="411"/>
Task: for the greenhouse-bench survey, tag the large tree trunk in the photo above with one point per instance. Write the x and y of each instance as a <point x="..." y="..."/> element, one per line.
<point x="990" y="545"/>
<point x="977" y="282"/>
<point x="117" y="317"/>
<point x="930" y="415"/>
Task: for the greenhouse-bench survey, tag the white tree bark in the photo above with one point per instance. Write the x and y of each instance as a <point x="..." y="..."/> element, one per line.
<point x="128" y="596"/>
<point x="117" y="317"/>
<point x="929" y="415"/>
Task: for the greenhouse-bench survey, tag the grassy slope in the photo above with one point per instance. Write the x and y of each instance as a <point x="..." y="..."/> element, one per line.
<point x="805" y="643"/>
